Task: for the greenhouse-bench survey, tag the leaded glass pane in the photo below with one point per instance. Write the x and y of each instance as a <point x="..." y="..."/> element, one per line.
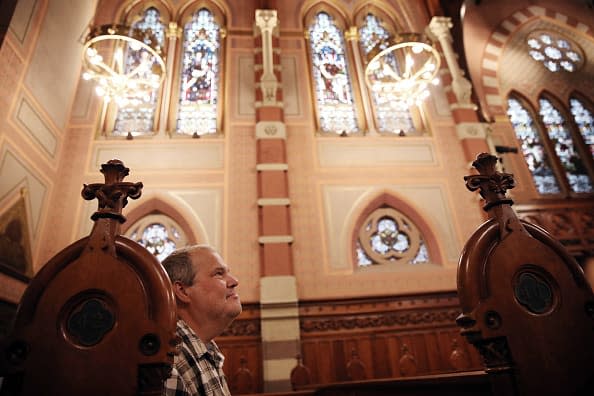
<point x="576" y="173"/>
<point x="200" y="69"/>
<point x="533" y="150"/>
<point x="554" y="52"/>
<point x="387" y="236"/>
<point x="391" y="114"/>
<point x="137" y="115"/>
<point x="585" y="122"/>
<point x="155" y="238"/>
<point x="334" y="93"/>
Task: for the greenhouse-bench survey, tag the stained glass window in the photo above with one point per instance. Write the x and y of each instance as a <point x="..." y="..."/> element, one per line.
<point x="556" y="53"/>
<point x="137" y="115"/>
<point x="558" y="131"/>
<point x="159" y="234"/>
<point x="156" y="239"/>
<point x="200" y="67"/>
<point x="332" y="81"/>
<point x="533" y="150"/>
<point x="388" y="236"/>
<point x="584" y="120"/>
<point x="391" y="115"/>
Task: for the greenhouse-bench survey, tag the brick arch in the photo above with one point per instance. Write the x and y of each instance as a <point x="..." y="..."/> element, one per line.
<point x="386" y="198"/>
<point x="492" y="96"/>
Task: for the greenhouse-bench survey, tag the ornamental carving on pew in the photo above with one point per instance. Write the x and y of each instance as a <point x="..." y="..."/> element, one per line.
<point x="534" y="293"/>
<point x="393" y="319"/>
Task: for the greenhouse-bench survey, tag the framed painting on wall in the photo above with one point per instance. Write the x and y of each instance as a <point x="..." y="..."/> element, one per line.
<point x="15" y="246"/>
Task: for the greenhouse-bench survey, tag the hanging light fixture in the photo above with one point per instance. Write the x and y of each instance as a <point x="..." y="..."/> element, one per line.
<point x="401" y="68"/>
<point x="126" y="64"/>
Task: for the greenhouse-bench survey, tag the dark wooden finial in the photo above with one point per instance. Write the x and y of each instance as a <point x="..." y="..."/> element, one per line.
<point x="114" y="193"/>
<point x="491" y="184"/>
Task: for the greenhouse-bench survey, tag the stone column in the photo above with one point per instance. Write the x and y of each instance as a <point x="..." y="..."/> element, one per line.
<point x="278" y="288"/>
<point x="472" y="133"/>
<point x="173" y="34"/>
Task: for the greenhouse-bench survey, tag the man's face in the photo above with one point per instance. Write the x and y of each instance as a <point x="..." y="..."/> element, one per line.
<point x="213" y="293"/>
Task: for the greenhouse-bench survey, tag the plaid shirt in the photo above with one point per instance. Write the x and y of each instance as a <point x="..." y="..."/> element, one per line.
<point x="197" y="368"/>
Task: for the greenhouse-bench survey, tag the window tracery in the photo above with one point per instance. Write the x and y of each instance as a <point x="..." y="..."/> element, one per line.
<point x="559" y="134"/>
<point x="555" y="52"/>
<point x="137" y="116"/>
<point x="387" y="236"/>
<point x="187" y="103"/>
<point x="392" y="115"/>
<point x="584" y="120"/>
<point x="200" y="67"/>
<point x="159" y="234"/>
<point x="331" y="75"/>
<point x="534" y="152"/>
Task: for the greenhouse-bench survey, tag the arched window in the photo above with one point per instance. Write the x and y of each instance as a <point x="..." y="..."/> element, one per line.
<point x="187" y="102"/>
<point x="584" y="120"/>
<point x="565" y="148"/>
<point x="159" y="234"/>
<point x="136" y="116"/>
<point x="535" y="154"/>
<point x="391" y="115"/>
<point x="199" y="75"/>
<point x="331" y="76"/>
<point x="387" y="236"/>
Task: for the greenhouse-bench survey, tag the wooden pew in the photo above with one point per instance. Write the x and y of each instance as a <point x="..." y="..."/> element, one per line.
<point x="526" y="305"/>
<point x="99" y="318"/>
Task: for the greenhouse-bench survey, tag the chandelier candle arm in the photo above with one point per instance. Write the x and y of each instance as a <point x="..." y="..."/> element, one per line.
<point x="126" y="64"/>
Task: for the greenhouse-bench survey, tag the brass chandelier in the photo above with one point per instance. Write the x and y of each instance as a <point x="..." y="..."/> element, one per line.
<point x="402" y="68"/>
<point x="126" y="64"/>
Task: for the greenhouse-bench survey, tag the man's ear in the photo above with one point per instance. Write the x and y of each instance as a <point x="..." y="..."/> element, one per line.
<point x="179" y="289"/>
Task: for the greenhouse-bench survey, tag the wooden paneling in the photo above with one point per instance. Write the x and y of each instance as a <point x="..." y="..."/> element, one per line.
<point x="387" y="337"/>
<point x="391" y="336"/>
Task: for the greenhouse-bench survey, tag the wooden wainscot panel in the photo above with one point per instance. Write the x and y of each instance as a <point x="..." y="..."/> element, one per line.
<point x="387" y="337"/>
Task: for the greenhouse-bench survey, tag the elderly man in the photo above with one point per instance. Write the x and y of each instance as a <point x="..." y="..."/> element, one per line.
<point x="207" y="303"/>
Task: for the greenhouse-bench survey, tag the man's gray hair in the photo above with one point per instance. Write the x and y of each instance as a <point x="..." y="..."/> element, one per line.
<point x="178" y="264"/>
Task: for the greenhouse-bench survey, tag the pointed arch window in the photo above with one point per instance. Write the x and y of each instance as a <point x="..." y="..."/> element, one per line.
<point x="391" y="115"/>
<point x="387" y="236"/>
<point x="331" y="75"/>
<point x="187" y="103"/>
<point x="565" y="148"/>
<point x="199" y="75"/>
<point x="136" y="116"/>
<point x="159" y="234"/>
<point x="584" y="119"/>
<point x="534" y="152"/>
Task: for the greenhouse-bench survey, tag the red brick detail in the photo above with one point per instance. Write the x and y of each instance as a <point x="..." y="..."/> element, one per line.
<point x="276" y="259"/>
<point x="274" y="220"/>
<point x="473" y="147"/>
<point x="271" y="151"/>
<point x="269" y="113"/>
<point x="272" y="184"/>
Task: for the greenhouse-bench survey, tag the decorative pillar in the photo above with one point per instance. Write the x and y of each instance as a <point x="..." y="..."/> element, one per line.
<point x="472" y="133"/>
<point x="278" y="288"/>
<point x="173" y="34"/>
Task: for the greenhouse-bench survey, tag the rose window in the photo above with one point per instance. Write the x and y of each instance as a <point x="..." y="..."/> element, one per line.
<point x="387" y="236"/>
<point x="555" y="52"/>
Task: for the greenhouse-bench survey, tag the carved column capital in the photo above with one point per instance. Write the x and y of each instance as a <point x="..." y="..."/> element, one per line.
<point x="266" y="20"/>
<point x="440" y="27"/>
<point x="351" y="34"/>
<point x="173" y="31"/>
